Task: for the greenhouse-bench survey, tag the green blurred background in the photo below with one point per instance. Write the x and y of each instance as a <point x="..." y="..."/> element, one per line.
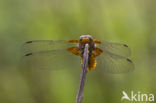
<point x="128" y="21"/>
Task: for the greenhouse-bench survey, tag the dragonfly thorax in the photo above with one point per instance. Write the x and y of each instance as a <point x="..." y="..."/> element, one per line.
<point x="86" y="39"/>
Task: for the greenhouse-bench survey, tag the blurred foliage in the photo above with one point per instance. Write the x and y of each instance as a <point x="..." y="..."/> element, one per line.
<point x="128" y="21"/>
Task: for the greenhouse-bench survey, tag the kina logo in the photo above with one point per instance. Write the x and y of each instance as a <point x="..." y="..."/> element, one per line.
<point x="138" y="96"/>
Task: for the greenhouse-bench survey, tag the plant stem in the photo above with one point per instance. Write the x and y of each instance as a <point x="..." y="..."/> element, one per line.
<point x="83" y="74"/>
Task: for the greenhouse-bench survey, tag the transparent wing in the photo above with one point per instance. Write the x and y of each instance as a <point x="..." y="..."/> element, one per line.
<point x="51" y="60"/>
<point x="115" y="48"/>
<point x="114" y="63"/>
<point x="45" y="45"/>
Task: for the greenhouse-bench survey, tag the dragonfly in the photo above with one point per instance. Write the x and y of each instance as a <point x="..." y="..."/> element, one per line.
<point x="54" y="54"/>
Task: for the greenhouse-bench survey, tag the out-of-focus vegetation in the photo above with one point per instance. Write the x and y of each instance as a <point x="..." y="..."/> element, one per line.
<point x="128" y="21"/>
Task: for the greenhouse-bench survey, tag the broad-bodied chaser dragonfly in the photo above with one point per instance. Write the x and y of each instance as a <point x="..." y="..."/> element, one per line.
<point x="109" y="56"/>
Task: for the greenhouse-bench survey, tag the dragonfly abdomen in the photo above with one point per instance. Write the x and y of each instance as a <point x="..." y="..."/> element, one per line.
<point x="91" y="62"/>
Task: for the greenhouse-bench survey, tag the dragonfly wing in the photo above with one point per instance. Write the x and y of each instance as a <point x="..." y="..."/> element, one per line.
<point x="52" y="59"/>
<point x="114" y="63"/>
<point x="115" y="48"/>
<point x="45" y="45"/>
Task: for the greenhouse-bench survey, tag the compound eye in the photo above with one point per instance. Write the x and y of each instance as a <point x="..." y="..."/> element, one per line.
<point x="81" y="37"/>
<point x="90" y="39"/>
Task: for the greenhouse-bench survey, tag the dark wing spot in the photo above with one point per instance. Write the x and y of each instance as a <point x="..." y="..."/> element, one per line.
<point x="29" y="42"/>
<point x="28" y="54"/>
<point x="125" y="45"/>
<point x="129" y="60"/>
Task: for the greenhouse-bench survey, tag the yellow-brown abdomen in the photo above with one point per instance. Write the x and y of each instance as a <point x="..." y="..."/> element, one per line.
<point x="91" y="62"/>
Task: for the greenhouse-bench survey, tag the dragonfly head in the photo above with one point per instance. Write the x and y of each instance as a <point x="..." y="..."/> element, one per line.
<point x="86" y="39"/>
